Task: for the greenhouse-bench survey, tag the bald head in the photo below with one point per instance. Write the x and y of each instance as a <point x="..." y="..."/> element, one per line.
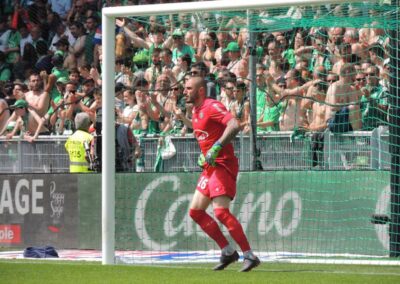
<point x="195" y="90"/>
<point x="199" y="82"/>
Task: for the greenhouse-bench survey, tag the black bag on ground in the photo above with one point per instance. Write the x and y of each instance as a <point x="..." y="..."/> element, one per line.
<point x="40" y="252"/>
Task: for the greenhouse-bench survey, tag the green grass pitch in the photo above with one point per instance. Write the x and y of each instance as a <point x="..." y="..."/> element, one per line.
<point x="38" y="271"/>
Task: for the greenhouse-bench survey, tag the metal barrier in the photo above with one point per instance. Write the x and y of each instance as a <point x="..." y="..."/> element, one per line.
<point x="277" y="151"/>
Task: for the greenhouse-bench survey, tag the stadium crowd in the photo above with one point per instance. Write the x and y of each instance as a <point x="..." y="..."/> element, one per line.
<point x="308" y="79"/>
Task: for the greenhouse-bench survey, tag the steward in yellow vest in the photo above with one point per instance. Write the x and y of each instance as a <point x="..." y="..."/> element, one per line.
<point x="75" y="145"/>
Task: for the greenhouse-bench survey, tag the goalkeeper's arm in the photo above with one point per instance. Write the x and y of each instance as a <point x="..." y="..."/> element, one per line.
<point x="231" y="130"/>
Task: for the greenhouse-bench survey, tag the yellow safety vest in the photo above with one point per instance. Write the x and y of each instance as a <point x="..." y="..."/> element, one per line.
<point x="76" y="151"/>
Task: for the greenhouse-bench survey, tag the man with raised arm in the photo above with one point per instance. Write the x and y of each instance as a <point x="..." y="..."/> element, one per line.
<point x="214" y="128"/>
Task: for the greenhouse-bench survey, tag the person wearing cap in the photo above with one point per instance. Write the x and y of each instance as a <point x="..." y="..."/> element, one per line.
<point x="77" y="145"/>
<point x="28" y="122"/>
<point x="237" y="64"/>
<point x="180" y="47"/>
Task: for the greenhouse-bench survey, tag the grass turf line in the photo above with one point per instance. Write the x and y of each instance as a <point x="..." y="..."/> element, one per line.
<point x="32" y="271"/>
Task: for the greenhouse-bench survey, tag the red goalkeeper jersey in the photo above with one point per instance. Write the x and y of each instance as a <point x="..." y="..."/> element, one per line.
<point x="209" y="122"/>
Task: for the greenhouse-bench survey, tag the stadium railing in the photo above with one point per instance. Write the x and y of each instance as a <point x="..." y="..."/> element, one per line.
<point x="359" y="150"/>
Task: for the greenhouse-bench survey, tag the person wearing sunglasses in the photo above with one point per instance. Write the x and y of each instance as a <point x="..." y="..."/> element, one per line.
<point x="374" y="101"/>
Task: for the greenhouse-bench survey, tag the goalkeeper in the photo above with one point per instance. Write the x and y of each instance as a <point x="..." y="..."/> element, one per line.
<point x="214" y="128"/>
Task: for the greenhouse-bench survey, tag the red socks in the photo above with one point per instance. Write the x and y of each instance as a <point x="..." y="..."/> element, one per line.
<point x="209" y="226"/>
<point x="234" y="227"/>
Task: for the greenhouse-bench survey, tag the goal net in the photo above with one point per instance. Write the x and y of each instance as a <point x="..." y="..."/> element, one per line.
<point x="315" y="86"/>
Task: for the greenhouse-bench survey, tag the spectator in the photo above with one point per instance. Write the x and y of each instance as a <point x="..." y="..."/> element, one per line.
<point x="159" y="100"/>
<point x="377" y="55"/>
<point x="18" y="92"/>
<point x="223" y="40"/>
<point x="5" y="69"/>
<point x="76" y="51"/>
<point x="77" y="13"/>
<point x="130" y="110"/>
<point x="91" y="26"/>
<point x="28" y="122"/>
<point x="4" y="33"/>
<point x="274" y="60"/>
<point x="140" y="123"/>
<point x="345" y="57"/>
<point x="180" y="47"/>
<point x="166" y="59"/>
<point x="127" y="149"/>
<point x="62" y="48"/>
<point x="61" y="7"/>
<point x="56" y="112"/>
<point x="11" y="49"/>
<point x="241" y="107"/>
<point x="351" y="36"/>
<point x="206" y="51"/>
<point x="228" y="99"/>
<point x="320" y="55"/>
<point x="335" y="40"/>
<point x="374" y="101"/>
<point x="346" y="118"/>
<point x="155" y="70"/>
<point x="25" y="38"/>
<point x="37" y="97"/>
<point x="61" y="31"/>
<point x="44" y="62"/>
<point x="176" y="101"/>
<point x="237" y="64"/>
<point x="293" y="116"/>
<point x="4" y="111"/>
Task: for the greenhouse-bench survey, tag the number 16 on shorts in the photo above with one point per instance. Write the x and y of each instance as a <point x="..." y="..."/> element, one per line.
<point x="203" y="182"/>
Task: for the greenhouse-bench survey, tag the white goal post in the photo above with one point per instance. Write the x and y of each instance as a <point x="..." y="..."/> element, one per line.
<point x="108" y="35"/>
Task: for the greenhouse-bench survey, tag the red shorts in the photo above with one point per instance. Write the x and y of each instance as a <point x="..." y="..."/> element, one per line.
<point x="217" y="181"/>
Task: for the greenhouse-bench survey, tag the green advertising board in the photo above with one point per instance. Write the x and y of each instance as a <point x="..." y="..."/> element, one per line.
<point x="318" y="212"/>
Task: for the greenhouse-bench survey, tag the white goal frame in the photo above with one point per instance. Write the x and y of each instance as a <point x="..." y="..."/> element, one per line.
<point x="108" y="119"/>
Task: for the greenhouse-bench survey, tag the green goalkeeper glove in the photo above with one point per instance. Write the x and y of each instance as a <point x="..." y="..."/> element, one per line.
<point x="212" y="154"/>
<point x="201" y="161"/>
